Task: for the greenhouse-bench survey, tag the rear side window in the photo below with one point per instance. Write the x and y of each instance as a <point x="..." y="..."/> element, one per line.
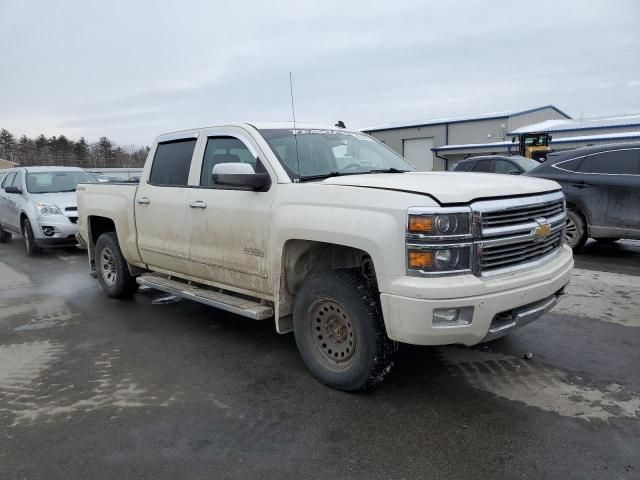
<point x="171" y="163"/>
<point x="482" y="166"/>
<point x="618" y="162"/>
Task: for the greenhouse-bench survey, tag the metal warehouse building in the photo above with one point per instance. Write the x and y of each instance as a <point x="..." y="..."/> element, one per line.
<point x="438" y="144"/>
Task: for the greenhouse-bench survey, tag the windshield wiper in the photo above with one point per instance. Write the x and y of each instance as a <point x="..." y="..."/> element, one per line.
<point x="321" y="176"/>
<point x="387" y="170"/>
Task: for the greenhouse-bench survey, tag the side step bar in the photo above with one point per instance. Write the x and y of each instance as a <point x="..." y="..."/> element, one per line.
<point x="230" y="303"/>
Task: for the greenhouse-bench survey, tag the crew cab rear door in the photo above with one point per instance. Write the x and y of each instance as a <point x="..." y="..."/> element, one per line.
<point x="161" y="206"/>
<point x="229" y="226"/>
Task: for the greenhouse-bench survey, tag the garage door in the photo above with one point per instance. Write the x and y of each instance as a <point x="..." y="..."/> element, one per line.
<point x="418" y="152"/>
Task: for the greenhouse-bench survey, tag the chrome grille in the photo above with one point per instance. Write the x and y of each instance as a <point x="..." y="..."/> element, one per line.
<point x="521" y="252"/>
<point x="512" y="233"/>
<point x="517" y="215"/>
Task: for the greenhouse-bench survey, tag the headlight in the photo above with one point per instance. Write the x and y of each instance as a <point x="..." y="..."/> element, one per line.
<point x="48" y="209"/>
<point x="434" y="259"/>
<point x="440" y="225"/>
<point x="439" y="241"/>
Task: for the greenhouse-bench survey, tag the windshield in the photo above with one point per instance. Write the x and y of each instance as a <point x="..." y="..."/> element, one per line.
<point x="56" y="182"/>
<point x="536" y="140"/>
<point x="526" y="163"/>
<point x="326" y="153"/>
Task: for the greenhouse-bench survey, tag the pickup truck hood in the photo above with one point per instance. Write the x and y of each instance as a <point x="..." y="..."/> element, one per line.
<point x="449" y="187"/>
<point x="61" y="200"/>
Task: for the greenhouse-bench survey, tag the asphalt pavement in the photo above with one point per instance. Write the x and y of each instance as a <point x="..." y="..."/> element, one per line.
<point x="92" y="387"/>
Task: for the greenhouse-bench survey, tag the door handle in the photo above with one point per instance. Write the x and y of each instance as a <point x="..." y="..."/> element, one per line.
<point x="143" y="200"/>
<point x="198" y="204"/>
<point x="580" y="185"/>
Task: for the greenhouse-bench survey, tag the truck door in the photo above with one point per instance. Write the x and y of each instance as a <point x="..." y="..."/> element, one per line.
<point x="229" y="226"/>
<point x="5" y="200"/>
<point x="161" y="207"/>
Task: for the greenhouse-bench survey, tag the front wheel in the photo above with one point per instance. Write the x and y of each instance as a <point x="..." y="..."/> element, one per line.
<point x="340" y="332"/>
<point x="576" y="231"/>
<point x="112" y="268"/>
<point x="30" y="245"/>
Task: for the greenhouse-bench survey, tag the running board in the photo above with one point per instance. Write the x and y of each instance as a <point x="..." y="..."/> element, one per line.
<point x="230" y="303"/>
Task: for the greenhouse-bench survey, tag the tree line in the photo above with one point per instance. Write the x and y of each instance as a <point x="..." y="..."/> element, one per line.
<point x="61" y="151"/>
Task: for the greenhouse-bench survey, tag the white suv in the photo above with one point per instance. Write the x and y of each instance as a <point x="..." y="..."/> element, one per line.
<point x="39" y="204"/>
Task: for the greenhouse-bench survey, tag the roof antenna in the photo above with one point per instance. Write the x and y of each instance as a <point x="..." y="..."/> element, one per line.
<point x="295" y="131"/>
<point x="340" y="124"/>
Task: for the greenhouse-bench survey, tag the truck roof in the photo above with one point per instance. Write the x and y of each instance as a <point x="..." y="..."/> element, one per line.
<point x="257" y="125"/>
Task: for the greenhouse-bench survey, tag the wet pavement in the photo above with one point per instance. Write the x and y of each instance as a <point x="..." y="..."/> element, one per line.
<point x="92" y="387"/>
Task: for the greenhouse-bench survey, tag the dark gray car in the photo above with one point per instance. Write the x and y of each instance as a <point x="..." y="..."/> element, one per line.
<point x="602" y="188"/>
<point x="508" y="164"/>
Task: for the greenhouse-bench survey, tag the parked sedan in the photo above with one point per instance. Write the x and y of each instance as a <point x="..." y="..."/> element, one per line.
<point x="39" y="204"/>
<point x="602" y="187"/>
<point x="508" y="164"/>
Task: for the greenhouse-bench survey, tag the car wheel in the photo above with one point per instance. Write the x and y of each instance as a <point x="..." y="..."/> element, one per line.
<point x="606" y="239"/>
<point x="576" y="232"/>
<point x="113" y="271"/>
<point x="4" y="235"/>
<point x="29" y="240"/>
<point x="340" y="332"/>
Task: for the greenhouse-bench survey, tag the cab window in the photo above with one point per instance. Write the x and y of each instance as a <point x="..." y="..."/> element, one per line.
<point x="226" y="150"/>
<point x="171" y="163"/>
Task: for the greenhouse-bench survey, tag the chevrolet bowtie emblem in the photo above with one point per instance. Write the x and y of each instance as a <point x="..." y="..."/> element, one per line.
<point x="543" y="229"/>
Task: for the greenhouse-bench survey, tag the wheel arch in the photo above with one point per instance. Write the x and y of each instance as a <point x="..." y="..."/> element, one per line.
<point x="301" y="258"/>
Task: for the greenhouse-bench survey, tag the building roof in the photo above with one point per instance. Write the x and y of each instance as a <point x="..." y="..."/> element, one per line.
<point x="466" y="118"/>
<point x="6" y="164"/>
<point x="572" y="125"/>
<point x="631" y="136"/>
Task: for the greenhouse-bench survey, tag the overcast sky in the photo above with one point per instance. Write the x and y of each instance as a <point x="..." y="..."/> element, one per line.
<point x="131" y="70"/>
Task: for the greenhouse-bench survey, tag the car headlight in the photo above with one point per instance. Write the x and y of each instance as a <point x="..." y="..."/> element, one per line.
<point x="439" y="241"/>
<point x="439" y="258"/>
<point x="440" y="224"/>
<point x="48" y="209"/>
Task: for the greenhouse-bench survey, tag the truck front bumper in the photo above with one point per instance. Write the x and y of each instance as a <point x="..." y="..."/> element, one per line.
<point x="507" y="303"/>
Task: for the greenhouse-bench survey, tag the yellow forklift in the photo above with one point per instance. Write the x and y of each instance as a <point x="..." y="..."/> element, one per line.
<point x="534" y="145"/>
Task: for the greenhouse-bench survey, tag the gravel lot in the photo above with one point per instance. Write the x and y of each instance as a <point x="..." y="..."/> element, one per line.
<point x="97" y="388"/>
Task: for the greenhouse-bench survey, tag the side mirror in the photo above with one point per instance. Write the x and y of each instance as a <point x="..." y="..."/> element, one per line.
<point x="12" y="189"/>
<point x="240" y="175"/>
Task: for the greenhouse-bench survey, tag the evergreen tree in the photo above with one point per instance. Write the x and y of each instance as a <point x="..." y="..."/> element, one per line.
<point x="7" y="144"/>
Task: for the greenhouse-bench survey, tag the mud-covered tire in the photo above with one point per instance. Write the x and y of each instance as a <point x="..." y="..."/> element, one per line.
<point x="576" y="230"/>
<point x="339" y="330"/>
<point x="5" y="236"/>
<point x="30" y="246"/>
<point x="112" y="269"/>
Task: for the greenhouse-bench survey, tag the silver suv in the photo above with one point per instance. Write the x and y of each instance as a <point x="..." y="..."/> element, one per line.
<point x="39" y="204"/>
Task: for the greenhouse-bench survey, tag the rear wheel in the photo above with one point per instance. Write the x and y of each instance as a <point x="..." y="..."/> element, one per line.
<point x="4" y="235"/>
<point x="29" y="239"/>
<point x="576" y="232"/>
<point x="113" y="272"/>
<point x="340" y="332"/>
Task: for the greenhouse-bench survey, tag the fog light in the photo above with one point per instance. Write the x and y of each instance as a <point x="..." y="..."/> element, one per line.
<point x="452" y="317"/>
<point x="48" y="231"/>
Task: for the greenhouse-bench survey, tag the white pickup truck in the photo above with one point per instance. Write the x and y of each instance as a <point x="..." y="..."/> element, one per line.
<point x="335" y="237"/>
